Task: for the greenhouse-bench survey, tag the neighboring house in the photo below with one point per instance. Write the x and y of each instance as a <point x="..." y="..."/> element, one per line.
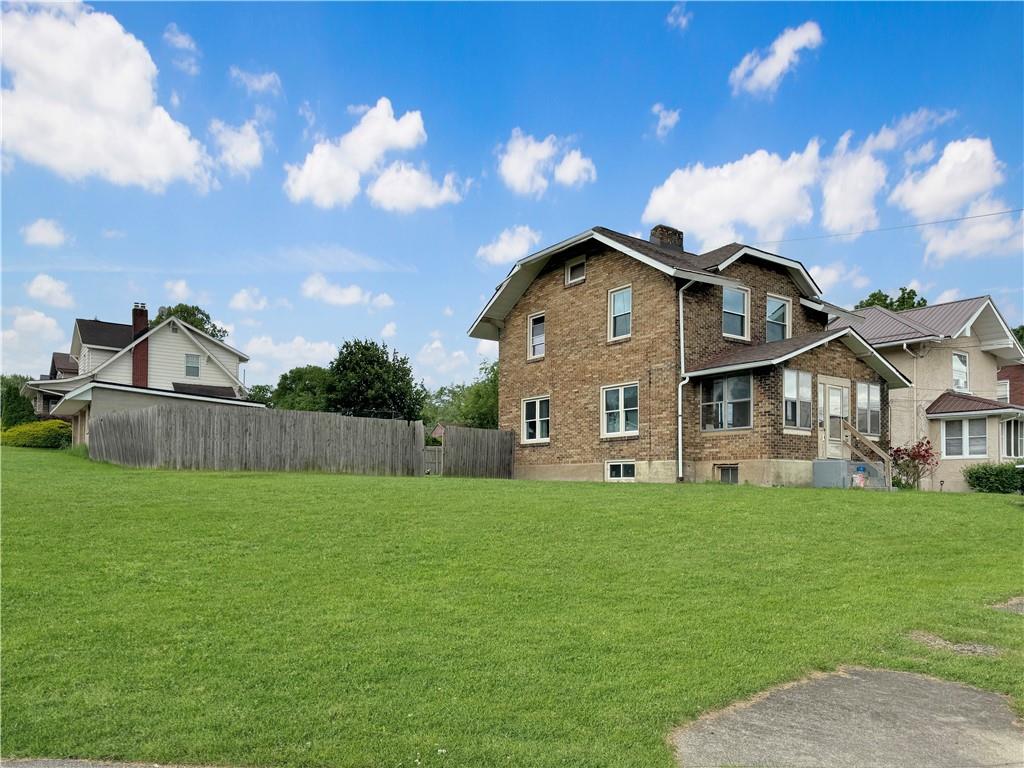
<point x="951" y="352"/>
<point x="1010" y="384"/>
<point x="626" y="359"/>
<point x="117" y="366"/>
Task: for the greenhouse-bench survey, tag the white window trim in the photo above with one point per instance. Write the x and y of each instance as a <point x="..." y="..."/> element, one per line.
<point x="622" y="410"/>
<point x="789" y="314"/>
<point x="198" y="366"/>
<point x="1002" y="437"/>
<point x="1003" y="390"/>
<point x="522" y="420"/>
<point x="786" y="428"/>
<point x="529" y="336"/>
<point x="611" y="324"/>
<point x="965" y="440"/>
<point x="966" y="355"/>
<point x="874" y="436"/>
<point x="701" y="404"/>
<point x="608" y="471"/>
<point x="746" y="312"/>
<point x="572" y="263"/>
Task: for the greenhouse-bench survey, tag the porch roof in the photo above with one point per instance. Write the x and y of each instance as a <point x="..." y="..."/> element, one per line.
<point x="950" y="404"/>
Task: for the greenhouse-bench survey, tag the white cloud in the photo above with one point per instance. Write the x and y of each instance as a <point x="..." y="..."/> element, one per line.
<point x="511" y="245"/>
<point x="667" y="119"/>
<point x="854" y="177"/>
<point x="487" y="348"/>
<point x="961" y="183"/>
<point x="177" y="290"/>
<point x="678" y="17"/>
<point x="188" y="60"/>
<point x="404" y="188"/>
<point x="50" y="291"/>
<point x="270" y="358"/>
<point x="524" y="163"/>
<point x="761" y="191"/>
<point x="319" y="288"/>
<point x="922" y="154"/>
<point x="831" y="275"/>
<point x="330" y="174"/>
<point x="447" y="311"/>
<point x="575" y="170"/>
<point x="968" y="168"/>
<point x="436" y="356"/>
<point x="29" y="338"/>
<point x="950" y="294"/>
<point x="112" y="234"/>
<point x="248" y="300"/>
<point x="82" y="102"/>
<point x="760" y="72"/>
<point x="44" y="232"/>
<point x="256" y="82"/>
<point x="241" y="148"/>
<point x="389" y="330"/>
<point x="175" y="99"/>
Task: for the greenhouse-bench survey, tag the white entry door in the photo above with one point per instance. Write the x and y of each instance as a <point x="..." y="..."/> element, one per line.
<point x="833" y="424"/>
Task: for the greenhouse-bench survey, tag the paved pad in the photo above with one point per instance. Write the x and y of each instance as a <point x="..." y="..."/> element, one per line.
<point x="858" y="718"/>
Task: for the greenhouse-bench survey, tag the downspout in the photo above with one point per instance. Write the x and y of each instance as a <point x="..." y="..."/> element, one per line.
<point x="913" y="395"/>
<point x="683" y="380"/>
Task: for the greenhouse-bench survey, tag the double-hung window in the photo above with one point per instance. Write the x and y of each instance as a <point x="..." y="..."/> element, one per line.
<point x="537" y="420"/>
<point x="192" y="366"/>
<point x="961" y="380"/>
<point x="869" y="409"/>
<point x="725" y="403"/>
<point x="1013" y="438"/>
<point x="536" y="336"/>
<point x="777" y="320"/>
<point x="620" y="410"/>
<point x="964" y="438"/>
<point x="735" y="313"/>
<point x="797" y="399"/>
<point x="620" y="313"/>
<point x="1003" y="391"/>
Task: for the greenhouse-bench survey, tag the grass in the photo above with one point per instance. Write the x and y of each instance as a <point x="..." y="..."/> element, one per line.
<point x="319" y="620"/>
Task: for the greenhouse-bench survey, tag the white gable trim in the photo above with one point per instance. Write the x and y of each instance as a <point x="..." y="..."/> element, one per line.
<point x="795" y="266"/>
<point x="209" y="355"/>
<point x="966" y="329"/>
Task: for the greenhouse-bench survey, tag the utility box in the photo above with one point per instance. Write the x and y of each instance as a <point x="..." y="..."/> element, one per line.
<point x="839" y="473"/>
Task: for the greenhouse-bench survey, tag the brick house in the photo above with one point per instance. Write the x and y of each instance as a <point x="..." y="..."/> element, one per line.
<point x="1010" y="384"/>
<point x="627" y="359"/>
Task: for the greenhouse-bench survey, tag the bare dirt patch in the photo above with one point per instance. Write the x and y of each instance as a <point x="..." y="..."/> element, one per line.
<point x="964" y="649"/>
<point x="1013" y="605"/>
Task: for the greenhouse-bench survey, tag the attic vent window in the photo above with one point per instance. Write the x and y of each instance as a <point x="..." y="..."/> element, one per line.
<point x="576" y="271"/>
<point x="174" y="328"/>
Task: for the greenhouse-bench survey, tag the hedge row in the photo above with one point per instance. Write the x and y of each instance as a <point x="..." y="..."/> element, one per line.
<point x="995" y="478"/>
<point x="51" y="433"/>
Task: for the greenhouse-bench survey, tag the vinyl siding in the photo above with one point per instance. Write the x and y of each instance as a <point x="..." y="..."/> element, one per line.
<point x="167" y="352"/>
<point x="91" y="358"/>
<point x="119" y="371"/>
<point x="228" y="359"/>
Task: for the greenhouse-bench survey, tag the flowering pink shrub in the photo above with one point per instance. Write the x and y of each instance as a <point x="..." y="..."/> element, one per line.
<point x="914" y="462"/>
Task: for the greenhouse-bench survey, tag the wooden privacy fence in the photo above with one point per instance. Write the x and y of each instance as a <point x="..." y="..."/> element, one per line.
<point x="470" y="452"/>
<point x="223" y="437"/>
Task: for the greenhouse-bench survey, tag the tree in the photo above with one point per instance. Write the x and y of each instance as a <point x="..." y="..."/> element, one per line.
<point x="195" y="316"/>
<point x="14" y="408"/>
<point x="1019" y="333"/>
<point x="261" y="393"/>
<point x="908" y="299"/>
<point x="368" y="379"/>
<point x="914" y="462"/>
<point x="302" y="389"/>
<point x="467" y="405"/>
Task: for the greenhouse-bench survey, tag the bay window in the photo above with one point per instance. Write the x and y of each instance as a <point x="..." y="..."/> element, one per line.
<point x="1013" y="438"/>
<point x="964" y="438"/>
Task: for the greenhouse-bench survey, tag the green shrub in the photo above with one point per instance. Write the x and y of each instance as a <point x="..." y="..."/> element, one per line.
<point x="52" y="433"/>
<point x="994" y="478"/>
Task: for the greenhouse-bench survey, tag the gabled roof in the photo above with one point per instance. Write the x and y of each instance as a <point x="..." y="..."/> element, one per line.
<point x="702" y="268"/>
<point x="744" y="358"/>
<point x="100" y="333"/>
<point x="62" y="362"/>
<point x="951" y="403"/>
<point x="950" y="320"/>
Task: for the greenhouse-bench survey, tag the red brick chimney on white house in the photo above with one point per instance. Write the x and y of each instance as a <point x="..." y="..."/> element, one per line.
<point x="140" y="352"/>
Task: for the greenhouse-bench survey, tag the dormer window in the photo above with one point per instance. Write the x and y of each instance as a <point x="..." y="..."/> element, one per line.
<point x="777" y="322"/>
<point x="735" y="313"/>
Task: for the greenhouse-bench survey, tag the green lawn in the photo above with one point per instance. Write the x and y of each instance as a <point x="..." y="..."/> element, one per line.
<point x="319" y="620"/>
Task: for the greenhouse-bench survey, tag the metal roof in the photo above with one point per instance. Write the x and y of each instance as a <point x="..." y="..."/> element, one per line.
<point x="951" y="402"/>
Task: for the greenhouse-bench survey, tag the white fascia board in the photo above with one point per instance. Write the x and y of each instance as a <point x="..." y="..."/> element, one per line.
<point x="901" y="342"/>
<point x="771" y="257"/>
<point x="999" y="317"/>
<point x="85" y="393"/>
<point x="973" y="414"/>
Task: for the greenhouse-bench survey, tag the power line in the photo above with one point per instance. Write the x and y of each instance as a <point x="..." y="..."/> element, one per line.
<point x="890" y="229"/>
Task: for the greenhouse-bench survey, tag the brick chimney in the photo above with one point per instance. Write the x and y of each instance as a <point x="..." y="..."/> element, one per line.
<point x="140" y="352"/>
<point x="667" y="237"/>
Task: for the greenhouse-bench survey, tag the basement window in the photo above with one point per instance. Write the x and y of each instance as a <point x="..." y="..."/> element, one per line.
<point x="730" y="475"/>
<point x="620" y="471"/>
<point x="192" y="366"/>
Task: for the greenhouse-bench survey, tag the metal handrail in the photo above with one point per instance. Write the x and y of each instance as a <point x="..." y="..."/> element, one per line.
<point x="853" y="432"/>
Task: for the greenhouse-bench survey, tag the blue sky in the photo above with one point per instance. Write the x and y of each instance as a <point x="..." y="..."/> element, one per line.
<point x="312" y="173"/>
